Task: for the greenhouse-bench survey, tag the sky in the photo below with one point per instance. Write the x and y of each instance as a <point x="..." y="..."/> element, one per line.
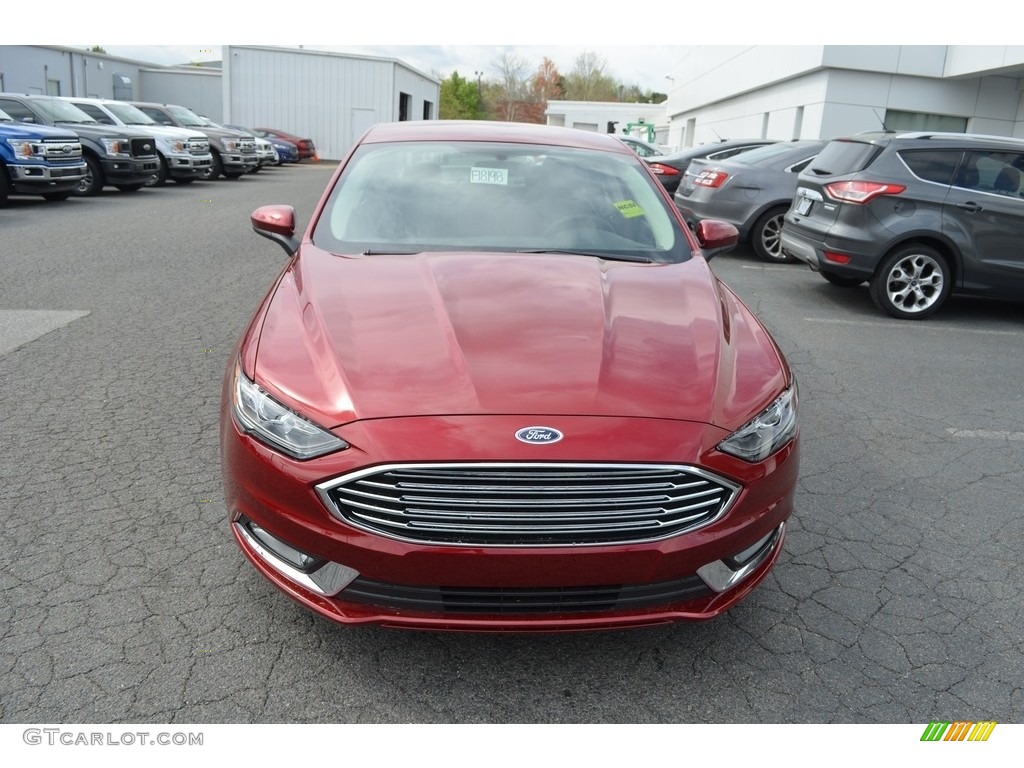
<point x="645" y="66"/>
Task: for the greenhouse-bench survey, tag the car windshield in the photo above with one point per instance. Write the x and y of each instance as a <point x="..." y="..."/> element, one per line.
<point x="409" y="197"/>
<point x="128" y="114"/>
<point x="186" y="116"/>
<point x="61" y="111"/>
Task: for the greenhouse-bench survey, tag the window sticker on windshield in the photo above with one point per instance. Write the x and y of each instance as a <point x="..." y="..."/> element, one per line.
<point x="629" y="209"/>
<point x="489" y="176"/>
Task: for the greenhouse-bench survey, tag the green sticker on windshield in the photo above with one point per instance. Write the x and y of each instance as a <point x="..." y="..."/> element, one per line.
<point x="629" y="209"/>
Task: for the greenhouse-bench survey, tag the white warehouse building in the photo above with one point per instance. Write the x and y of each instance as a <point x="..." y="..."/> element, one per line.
<point x="824" y="91"/>
<point x="329" y="97"/>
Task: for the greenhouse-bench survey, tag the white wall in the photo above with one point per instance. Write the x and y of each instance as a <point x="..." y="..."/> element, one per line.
<point x="198" y="89"/>
<point x="328" y="97"/>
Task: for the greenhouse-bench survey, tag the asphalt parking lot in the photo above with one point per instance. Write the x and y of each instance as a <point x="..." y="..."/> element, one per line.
<point x="123" y="598"/>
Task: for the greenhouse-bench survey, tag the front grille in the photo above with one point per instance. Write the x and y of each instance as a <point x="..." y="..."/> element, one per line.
<point x="62" y="150"/>
<point x="199" y="147"/>
<point x="523" y="600"/>
<point x="528" y="505"/>
<point x="143" y="147"/>
<point x="247" y="145"/>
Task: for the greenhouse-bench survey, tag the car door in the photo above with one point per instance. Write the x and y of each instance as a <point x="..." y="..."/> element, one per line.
<point x="984" y="212"/>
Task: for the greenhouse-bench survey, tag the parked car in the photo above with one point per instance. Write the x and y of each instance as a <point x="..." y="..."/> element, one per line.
<point x="38" y="160"/>
<point x="122" y="158"/>
<point x="286" y="151"/>
<point x="752" y="191"/>
<point x="306" y="148"/>
<point x="234" y="152"/>
<point x="265" y="153"/>
<point x="917" y="215"/>
<point x="475" y="399"/>
<point x="669" y="168"/>
<point x="184" y="155"/>
<point x="642" y="148"/>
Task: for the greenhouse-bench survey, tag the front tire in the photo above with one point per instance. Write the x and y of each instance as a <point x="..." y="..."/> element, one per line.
<point x="92" y="182"/>
<point x="216" y="168"/>
<point x="912" y="282"/>
<point x="766" y="237"/>
<point x="159" y="178"/>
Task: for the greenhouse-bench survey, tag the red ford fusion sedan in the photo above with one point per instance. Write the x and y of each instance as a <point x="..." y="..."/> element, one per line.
<point x="496" y="387"/>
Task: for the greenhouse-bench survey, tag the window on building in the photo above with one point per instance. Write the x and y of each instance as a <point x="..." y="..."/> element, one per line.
<point x="896" y="120"/>
<point x="428" y="110"/>
<point x="404" y="102"/>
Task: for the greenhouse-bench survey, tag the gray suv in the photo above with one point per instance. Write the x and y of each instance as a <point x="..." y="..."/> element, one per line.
<point x="917" y="215"/>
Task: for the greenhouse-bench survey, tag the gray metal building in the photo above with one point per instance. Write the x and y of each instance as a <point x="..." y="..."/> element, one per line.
<point x="329" y="97"/>
<point x="58" y="71"/>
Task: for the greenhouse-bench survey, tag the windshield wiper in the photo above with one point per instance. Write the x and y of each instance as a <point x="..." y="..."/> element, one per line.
<point x="372" y="252"/>
<point x="607" y="256"/>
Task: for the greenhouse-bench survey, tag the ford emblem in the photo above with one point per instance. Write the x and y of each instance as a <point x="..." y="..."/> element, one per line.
<point x="67" y="149"/>
<point x="538" y="435"/>
<point x="146" y="147"/>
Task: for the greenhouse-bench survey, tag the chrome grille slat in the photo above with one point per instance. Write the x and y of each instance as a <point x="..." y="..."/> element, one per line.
<point x="529" y="505"/>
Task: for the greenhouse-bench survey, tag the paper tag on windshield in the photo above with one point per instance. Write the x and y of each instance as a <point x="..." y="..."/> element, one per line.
<point x="488" y="176"/>
<point x="629" y="209"/>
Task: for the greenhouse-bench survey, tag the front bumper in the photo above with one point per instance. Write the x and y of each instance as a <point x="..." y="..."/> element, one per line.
<point x="32" y="179"/>
<point x="234" y="162"/>
<point x="130" y="170"/>
<point x="188" y="166"/>
<point x="375" y="579"/>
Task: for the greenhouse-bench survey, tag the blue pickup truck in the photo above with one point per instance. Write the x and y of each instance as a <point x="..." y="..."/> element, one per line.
<point x="38" y="160"/>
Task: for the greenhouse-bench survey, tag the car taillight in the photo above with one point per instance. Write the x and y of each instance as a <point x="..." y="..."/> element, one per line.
<point x="663" y="170"/>
<point x="861" y="191"/>
<point x="713" y="179"/>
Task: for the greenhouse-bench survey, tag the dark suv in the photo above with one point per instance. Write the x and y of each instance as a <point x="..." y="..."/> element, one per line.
<point x="917" y="215"/>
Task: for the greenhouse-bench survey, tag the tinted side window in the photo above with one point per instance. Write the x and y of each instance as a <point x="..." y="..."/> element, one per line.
<point x="95" y="113"/>
<point x="935" y="165"/>
<point x="995" y="171"/>
<point x="841" y="157"/>
<point x="157" y="115"/>
<point x="18" y="111"/>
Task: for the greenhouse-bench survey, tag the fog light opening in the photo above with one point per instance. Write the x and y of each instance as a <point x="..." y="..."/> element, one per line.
<point x="725" y="574"/>
<point x="315" y="574"/>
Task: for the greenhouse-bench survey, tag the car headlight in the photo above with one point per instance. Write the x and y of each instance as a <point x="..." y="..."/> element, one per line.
<point x="763" y="435"/>
<point x="117" y="147"/>
<point x="279" y="427"/>
<point x="174" y="145"/>
<point x="231" y="145"/>
<point x="26" y="150"/>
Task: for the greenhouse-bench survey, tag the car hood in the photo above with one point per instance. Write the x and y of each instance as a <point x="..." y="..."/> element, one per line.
<point x="344" y="339"/>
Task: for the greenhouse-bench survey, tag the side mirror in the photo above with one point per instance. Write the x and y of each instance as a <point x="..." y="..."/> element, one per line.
<point x="716" y="237"/>
<point x="277" y="223"/>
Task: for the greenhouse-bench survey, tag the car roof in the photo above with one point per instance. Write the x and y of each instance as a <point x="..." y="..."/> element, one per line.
<point x="487" y="130"/>
<point x="706" y="149"/>
<point x="962" y="139"/>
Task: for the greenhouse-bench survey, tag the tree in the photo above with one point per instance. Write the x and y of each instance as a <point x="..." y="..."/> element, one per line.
<point x="460" y="99"/>
<point x="589" y="80"/>
<point x="513" y="88"/>
<point x="97" y="49"/>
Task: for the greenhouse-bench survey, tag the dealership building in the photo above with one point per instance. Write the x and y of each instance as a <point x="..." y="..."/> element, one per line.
<point x="823" y="91"/>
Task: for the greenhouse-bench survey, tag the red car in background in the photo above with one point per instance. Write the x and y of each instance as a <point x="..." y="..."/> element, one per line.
<point x="307" y="150"/>
<point x="477" y="400"/>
